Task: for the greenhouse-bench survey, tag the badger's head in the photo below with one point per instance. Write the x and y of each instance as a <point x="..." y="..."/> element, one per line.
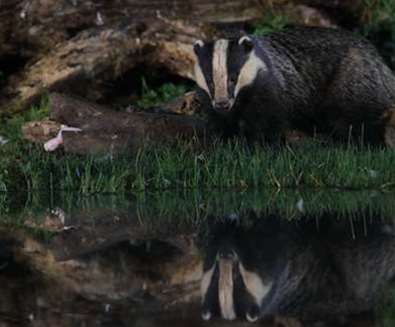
<point x="230" y="286"/>
<point x="225" y="67"/>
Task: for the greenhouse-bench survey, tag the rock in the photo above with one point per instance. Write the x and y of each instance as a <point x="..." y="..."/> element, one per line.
<point x="310" y="16"/>
<point x="183" y="105"/>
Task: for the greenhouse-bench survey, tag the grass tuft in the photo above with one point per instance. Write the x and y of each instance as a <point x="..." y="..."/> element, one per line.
<point x="11" y="128"/>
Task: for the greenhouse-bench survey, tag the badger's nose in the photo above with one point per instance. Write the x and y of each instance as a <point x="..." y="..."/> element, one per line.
<point x="222" y="105"/>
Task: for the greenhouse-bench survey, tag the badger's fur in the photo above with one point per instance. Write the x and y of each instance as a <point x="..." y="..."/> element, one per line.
<point x="300" y="269"/>
<point x="315" y="80"/>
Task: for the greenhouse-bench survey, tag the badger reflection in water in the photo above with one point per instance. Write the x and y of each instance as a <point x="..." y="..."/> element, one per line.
<point x="315" y="268"/>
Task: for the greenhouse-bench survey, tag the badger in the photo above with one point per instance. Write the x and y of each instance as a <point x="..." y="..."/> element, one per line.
<point x="314" y="80"/>
<point x="229" y="287"/>
<point x="273" y="267"/>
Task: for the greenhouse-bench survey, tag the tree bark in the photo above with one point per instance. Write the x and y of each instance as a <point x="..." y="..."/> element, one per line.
<point x="35" y="22"/>
<point x="83" y="64"/>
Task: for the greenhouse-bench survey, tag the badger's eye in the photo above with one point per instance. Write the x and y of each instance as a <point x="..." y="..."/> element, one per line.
<point x="232" y="80"/>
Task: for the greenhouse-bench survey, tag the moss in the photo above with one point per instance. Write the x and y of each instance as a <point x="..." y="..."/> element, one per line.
<point x="270" y="22"/>
<point x="152" y="97"/>
<point x="10" y="128"/>
<point x="378" y="25"/>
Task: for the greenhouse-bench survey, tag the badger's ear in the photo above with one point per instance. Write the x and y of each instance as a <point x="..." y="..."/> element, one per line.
<point x="247" y="43"/>
<point x="197" y="46"/>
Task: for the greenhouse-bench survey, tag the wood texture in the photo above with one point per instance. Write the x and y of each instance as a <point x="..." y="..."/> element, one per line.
<point x="105" y="131"/>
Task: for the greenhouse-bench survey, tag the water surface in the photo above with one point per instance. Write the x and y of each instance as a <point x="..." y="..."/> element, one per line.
<point x="166" y="259"/>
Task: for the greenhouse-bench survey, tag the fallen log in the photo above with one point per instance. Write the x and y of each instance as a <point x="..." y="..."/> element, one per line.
<point x="39" y="24"/>
<point x="84" y="64"/>
<point x="106" y="131"/>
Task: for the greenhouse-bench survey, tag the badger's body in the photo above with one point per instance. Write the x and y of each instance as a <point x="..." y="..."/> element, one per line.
<point x="315" y="80"/>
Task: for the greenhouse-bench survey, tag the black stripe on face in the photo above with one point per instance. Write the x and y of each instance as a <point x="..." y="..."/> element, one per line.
<point x="210" y="301"/>
<point x="205" y="59"/>
<point x="237" y="57"/>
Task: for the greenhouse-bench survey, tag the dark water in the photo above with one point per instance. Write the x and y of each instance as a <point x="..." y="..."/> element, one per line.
<point x="282" y="258"/>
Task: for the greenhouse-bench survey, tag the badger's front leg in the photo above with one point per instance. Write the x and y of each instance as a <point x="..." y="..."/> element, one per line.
<point x="287" y="322"/>
<point x="264" y="123"/>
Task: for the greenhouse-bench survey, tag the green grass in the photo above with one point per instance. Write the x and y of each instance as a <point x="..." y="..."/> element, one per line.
<point x="222" y="166"/>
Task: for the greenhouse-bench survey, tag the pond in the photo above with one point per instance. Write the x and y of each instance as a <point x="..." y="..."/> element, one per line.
<point x="199" y="259"/>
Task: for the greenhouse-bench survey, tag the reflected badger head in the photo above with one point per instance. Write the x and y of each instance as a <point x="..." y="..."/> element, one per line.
<point x="224" y="68"/>
<point x="228" y="288"/>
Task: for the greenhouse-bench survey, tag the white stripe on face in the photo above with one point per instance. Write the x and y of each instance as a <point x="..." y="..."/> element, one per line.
<point x="254" y="284"/>
<point x="249" y="72"/>
<point x="200" y="79"/>
<point x="225" y="289"/>
<point x="206" y="280"/>
<point x="220" y="70"/>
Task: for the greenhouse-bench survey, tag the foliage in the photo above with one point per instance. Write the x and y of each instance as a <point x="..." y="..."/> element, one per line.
<point x="166" y="92"/>
<point x="11" y="128"/>
<point x="386" y="310"/>
<point x="379" y="27"/>
<point x="269" y="23"/>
